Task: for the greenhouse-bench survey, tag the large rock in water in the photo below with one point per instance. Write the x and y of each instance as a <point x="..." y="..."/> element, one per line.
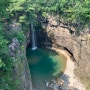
<point x="77" y="46"/>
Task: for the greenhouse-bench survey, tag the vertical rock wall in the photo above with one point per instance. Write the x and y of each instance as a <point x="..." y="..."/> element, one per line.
<point x="21" y="72"/>
<point x="78" y="46"/>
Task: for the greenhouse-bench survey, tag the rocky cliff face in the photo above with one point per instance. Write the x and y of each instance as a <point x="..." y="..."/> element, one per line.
<point x="77" y="46"/>
<point x="21" y="71"/>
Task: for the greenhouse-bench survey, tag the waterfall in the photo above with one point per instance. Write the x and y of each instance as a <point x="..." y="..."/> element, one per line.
<point x="33" y="37"/>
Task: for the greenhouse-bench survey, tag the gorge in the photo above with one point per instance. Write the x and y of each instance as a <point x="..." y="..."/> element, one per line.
<point x="50" y="42"/>
<point x="45" y="45"/>
<point x="61" y="38"/>
<point x="45" y="64"/>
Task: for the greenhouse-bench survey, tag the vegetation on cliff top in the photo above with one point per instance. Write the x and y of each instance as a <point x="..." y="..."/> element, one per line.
<point x="72" y="10"/>
<point x="26" y="12"/>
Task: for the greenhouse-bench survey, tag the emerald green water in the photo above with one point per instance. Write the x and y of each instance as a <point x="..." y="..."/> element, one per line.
<point x="44" y="65"/>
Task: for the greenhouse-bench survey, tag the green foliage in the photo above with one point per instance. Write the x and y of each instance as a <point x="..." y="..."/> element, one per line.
<point x="1" y="63"/>
<point x="26" y="12"/>
<point x="3" y="5"/>
<point x="20" y="36"/>
<point x="75" y="10"/>
<point x="5" y="64"/>
<point x="22" y="19"/>
<point x="71" y="10"/>
<point x="88" y="87"/>
<point x="6" y="82"/>
<point x="44" y="14"/>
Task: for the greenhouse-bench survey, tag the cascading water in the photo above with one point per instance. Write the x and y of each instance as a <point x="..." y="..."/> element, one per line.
<point x="33" y="37"/>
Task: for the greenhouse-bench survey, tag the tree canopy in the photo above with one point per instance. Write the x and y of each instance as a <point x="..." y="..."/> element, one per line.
<point x="26" y="12"/>
<point x="72" y="10"/>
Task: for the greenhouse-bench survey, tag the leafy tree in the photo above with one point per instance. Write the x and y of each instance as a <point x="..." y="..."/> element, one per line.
<point x="27" y="12"/>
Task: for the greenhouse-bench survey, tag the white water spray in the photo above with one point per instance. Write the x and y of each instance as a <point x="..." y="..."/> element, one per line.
<point x="33" y="37"/>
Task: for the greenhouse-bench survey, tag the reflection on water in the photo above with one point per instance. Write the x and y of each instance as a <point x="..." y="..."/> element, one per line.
<point x="45" y="65"/>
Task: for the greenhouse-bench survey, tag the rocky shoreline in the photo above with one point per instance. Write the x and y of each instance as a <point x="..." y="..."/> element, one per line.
<point x="68" y="81"/>
<point x="71" y="82"/>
